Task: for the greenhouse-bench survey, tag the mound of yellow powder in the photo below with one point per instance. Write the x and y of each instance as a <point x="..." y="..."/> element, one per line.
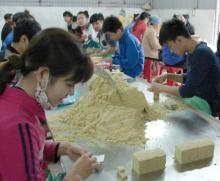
<point x="106" y="114"/>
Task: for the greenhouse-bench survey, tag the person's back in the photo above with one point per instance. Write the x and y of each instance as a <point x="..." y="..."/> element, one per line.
<point x="141" y="26"/>
<point x="139" y="29"/>
<point x="151" y="44"/>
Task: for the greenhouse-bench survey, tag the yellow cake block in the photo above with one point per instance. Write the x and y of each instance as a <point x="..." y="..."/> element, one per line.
<point x="193" y="151"/>
<point x="149" y="161"/>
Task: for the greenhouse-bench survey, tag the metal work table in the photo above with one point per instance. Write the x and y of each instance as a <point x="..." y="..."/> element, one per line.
<point x="176" y="128"/>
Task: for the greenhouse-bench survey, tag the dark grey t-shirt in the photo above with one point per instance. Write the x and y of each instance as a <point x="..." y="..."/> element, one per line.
<point x="105" y="41"/>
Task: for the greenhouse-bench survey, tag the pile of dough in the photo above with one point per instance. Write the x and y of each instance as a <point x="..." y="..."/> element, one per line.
<point x="103" y="114"/>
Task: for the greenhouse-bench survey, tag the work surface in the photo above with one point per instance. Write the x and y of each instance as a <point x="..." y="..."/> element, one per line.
<point x="165" y="133"/>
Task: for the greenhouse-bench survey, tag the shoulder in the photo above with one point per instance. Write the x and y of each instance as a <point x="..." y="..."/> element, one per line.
<point x="9" y="37"/>
<point x="203" y="51"/>
<point x="150" y="31"/>
<point x="12" y="114"/>
<point x="129" y="37"/>
<point x="202" y="46"/>
<point x="203" y="55"/>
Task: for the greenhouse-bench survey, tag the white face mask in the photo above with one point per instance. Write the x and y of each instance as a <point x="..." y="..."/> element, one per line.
<point x="41" y="96"/>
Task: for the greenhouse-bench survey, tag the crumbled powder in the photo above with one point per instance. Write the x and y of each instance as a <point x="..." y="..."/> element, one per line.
<point x="115" y="116"/>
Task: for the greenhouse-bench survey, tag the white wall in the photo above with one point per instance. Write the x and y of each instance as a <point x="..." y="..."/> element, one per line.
<point x="203" y="20"/>
<point x="53" y="16"/>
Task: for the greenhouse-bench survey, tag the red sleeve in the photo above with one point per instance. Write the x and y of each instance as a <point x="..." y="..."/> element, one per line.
<point x="20" y="153"/>
<point x="50" y="151"/>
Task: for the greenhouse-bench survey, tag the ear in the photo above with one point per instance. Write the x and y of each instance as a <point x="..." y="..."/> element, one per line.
<point x="119" y="33"/>
<point x="42" y="74"/>
<point x="24" y="39"/>
<point x="179" y="39"/>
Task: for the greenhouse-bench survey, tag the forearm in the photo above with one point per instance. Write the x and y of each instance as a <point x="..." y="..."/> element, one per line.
<point x="50" y="151"/>
<point x="167" y="89"/>
<point x="108" y="51"/>
<point x="72" y="177"/>
<point x="62" y="148"/>
<point x="175" y="77"/>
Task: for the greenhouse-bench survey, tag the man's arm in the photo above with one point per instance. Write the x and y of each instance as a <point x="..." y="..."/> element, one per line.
<point x="108" y="51"/>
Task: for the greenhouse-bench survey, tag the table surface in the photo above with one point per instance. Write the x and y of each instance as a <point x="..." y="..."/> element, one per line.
<point x="176" y="128"/>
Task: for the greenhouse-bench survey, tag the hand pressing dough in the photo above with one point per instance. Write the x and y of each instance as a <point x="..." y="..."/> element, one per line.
<point x="149" y="161"/>
<point x="193" y="151"/>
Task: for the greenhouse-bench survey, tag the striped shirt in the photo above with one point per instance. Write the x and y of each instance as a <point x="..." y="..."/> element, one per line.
<point x="24" y="149"/>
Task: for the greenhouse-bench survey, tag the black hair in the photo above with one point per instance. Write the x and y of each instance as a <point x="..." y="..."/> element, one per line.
<point x="186" y="16"/>
<point x="26" y="27"/>
<point x="175" y="16"/>
<point x="171" y="29"/>
<point x="29" y="14"/>
<point x="84" y="12"/>
<point x="135" y="16"/>
<point x="218" y="46"/>
<point x="67" y="13"/>
<point x="77" y="32"/>
<point x="21" y="15"/>
<point x="112" y="24"/>
<point x="7" y="70"/>
<point x="96" y="17"/>
<point x="53" y="48"/>
<point x="74" y="18"/>
<point x="7" y="16"/>
<point x="141" y="17"/>
<point x="144" y="15"/>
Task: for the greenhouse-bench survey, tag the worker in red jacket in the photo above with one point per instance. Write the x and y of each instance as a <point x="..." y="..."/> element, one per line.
<point x="52" y="64"/>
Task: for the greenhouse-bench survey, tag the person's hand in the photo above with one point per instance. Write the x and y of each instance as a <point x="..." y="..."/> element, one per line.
<point x="83" y="167"/>
<point x="160" y="79"/>
<point x="73" y="151"/>
<point x="107" y="60"/>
